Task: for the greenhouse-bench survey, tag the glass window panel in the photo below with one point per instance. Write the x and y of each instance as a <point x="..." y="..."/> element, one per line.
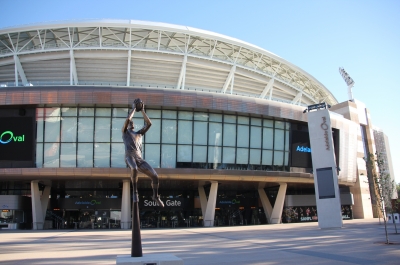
<point x="184" y="153"/>
<point x="153" y="155"/>
<point x="288" y="126"/>
<point x="286" y="140"/>
<point x="230" y="118"/>
<point x="116" y="127"/>
<point x="200" y="133"/>
<point x="278" y="158"/>
<point x="279" y="125"/>
<point x="243" y="120"/>
<point x="214" y="155"/>
<point x="153" y="134"/>
<point x="86" y="111"/>
<point x="214" y="134"/>
<point x="242" y="156"/>
<point x="229" y="155"/>
<point x="268" y="123"/>
<point x="255" y="156"/>
<point x="153" y="113"/>
<point x="69" y="111"/>
<point x="52" y="130"/>
<point x="215" y="117"/>
<point x="199" y="154"/>
<point x="255" y="137"/>
<point x="266" y="157"/>
<point x="185" y="132"/>
<point x="256" y="121"/>
<point x="268" y="138"/>
<point x="243" y="136"/>
<point x="120" y="112"/>
<point x="52" y="113"/>
<point x="201" y="116"/>
<point x="68" y="155"/>
<point x="168" y="156"/>
<point x="169" y="114"/>
<point x="39" y="155"/>
<point x="229" y="134"/>
<point x="102" y="155"/>
<point x="39" y="129"/>
<point x="185" y="115"/>
<point x="68" y="129"/>
<point x="169" y="131"/>
<point x="39" y="112"/>
<point x="138" y="123"/>
<point x="104" y="112"/>
<point x="85" y="155"/>
<point x="118" y="155"/>
<point x="85" y="129"/>
<point x="286" y="158"/>
<point x="279" y="139"/>
<point x="102" y="130"/>
<point x="51" y="155"/>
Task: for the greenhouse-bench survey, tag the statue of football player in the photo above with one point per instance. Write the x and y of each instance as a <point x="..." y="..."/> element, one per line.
<point x="133" y="152"/>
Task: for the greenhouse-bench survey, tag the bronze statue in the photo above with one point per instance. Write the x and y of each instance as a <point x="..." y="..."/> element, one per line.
<point x="133" y="152"/>
<point x="133" y="158"/>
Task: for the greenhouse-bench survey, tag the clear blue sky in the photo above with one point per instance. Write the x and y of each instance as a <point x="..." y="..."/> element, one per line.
<point x="363" y="36"/>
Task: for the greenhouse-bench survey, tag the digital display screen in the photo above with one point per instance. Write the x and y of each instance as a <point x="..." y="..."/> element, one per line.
<point x="301" y="150"/>
<point x="16" y="138"/>
<point x="326" y="188"/>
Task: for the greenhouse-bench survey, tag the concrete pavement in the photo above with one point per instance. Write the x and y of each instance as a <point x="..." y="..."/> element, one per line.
<point x="358" y="242"/>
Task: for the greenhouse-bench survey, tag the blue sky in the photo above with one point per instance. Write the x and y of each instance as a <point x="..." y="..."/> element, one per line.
<point x="363" y="36"/>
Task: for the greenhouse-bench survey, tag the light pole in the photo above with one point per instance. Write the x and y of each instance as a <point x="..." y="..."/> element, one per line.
<point x="349" y="81"/>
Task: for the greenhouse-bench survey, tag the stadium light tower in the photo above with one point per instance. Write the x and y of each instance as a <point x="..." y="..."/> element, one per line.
<point x="349" y="81"/>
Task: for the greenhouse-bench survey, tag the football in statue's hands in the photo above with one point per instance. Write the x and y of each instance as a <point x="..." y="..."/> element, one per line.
<point x="138" y="104"/>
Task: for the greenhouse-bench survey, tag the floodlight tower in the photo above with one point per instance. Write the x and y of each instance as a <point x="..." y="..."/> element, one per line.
<point x="349" y="81"/>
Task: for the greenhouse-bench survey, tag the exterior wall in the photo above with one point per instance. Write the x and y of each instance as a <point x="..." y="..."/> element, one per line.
<point x="383" y="148"/>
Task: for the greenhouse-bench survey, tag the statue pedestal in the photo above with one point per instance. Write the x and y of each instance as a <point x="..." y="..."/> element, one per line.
<point x="149" y="259"/>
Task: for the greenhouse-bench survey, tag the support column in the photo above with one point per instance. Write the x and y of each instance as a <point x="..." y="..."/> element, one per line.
<point x="212" y="200"/>
<point x="126" y="204"/>
<point x="44" y="200"/>
<point x="278" y="206"/>
<point x="265" y="203"/>
<point x="37" y="213"/>
<point x="203" y="200"/>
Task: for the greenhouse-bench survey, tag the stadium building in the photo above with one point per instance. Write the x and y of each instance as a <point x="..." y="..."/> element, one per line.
<point x="229" y="138"/>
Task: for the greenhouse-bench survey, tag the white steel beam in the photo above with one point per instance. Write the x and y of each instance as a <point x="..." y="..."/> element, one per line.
<point x="73" y="76"/>
<point x="128" y="71"/>
<point x="182" y="75"/>
<point x="20" y="71"/>
<point x="268" y="88"/>
<point x="229" y="79"/>
<point x="297" y="98"/>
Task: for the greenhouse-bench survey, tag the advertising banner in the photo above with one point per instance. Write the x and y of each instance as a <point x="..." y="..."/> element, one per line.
<point x="16" y="138"/>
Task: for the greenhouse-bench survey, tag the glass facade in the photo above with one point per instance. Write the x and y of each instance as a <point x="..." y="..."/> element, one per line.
<point x="91" y="137"/>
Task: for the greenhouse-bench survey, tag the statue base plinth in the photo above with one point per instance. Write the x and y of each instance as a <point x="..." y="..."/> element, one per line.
<point x="149" y="259"/>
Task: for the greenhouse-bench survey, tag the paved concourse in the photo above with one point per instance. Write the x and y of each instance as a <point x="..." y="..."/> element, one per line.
<point x="358" y="242"/>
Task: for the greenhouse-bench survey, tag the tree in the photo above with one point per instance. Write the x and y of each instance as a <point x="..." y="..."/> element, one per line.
<point x="384" y="187"/>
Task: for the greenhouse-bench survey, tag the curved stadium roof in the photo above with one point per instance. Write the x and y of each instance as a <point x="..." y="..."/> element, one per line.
<point x="146" y="54"/>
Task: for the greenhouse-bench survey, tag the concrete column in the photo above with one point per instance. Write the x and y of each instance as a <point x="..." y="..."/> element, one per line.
<point x="126" y="219"/>
<point x="278" y="206"/>
<point x="37" y="213"/>
<point x="203" y="200"/>
<point x="44" y="200"/>
<point x="265" y="203"/>
<point x="212" y="200"/>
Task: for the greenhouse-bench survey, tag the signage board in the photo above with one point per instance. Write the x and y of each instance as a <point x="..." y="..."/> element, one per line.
<point x="16" y="138"/>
